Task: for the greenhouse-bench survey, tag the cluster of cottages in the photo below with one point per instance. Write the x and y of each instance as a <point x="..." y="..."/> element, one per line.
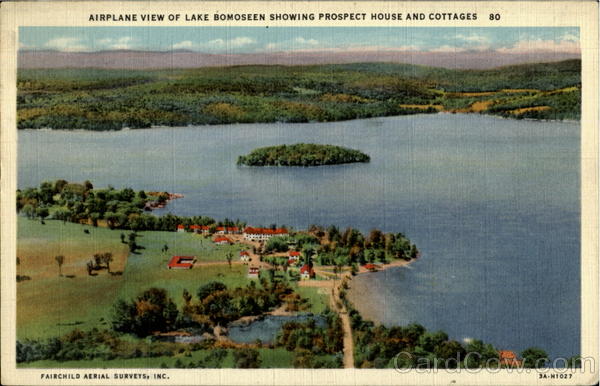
<point x="250" y="233"/>
<point x="306" y="272"/>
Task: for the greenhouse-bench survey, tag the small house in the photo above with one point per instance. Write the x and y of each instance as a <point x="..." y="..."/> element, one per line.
<point x="226" y="230"/>
<point x="253" y="272"/>
<point x="306" y="272"/>
<point x="181" y="262"/>
<point x="244" y="256"/>
<point x="180" y="228"/>
<point x="292" y="262"/>
<point x="508" y="358"/>
<point x="294" y="255"/>
<point x="370" y="267"/>
<point x="222" y="240"/>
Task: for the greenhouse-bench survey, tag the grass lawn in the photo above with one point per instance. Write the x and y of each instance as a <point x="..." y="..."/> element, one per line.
<point x="49" y="305"/>
<point x="317" y="297"/>
<point x="271" y="358"/>
<point x="148" y="267"/>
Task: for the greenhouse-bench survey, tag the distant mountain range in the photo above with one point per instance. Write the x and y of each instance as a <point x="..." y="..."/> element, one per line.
<point x="128" y="59"/>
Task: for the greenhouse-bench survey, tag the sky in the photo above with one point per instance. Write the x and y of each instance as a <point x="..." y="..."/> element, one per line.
<point x="241" y="40"/>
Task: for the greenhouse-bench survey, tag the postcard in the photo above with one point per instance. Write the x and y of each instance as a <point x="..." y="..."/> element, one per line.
<point x="343" y="193"/>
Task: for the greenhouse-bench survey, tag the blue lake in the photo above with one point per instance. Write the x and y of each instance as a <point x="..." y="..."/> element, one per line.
<point x="493" y="205"/>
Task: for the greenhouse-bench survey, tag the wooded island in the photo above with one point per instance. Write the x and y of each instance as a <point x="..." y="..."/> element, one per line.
<point x="302" y="154"/>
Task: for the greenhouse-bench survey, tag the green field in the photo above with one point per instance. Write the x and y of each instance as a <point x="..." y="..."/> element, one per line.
<point x="271" y="358"/>
<point x="93" y="99"/>
<point x="49" y="305"/>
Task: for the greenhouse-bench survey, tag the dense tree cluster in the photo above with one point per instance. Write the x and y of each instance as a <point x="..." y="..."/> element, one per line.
<point x="218" y="305"/>
<point x="119" y="208"/>
<point x="151" y="311"/>
<point x="97" y="344"/>
<point x="352" y="247"/>
<point x="93" y="99"/>
<point x="282" y="243"/>
<point x="215" y="304"/>
<point x="302" y="154"/>
<point x="412" y="346"/>
<point x="307" y="336"/>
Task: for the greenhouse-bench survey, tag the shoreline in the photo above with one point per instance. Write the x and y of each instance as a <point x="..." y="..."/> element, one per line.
<point x="162" y="127"/>
<point x="358" y="294"/>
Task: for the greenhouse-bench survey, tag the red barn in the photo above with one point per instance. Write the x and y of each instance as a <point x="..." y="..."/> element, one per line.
<point x="181" y="262"/>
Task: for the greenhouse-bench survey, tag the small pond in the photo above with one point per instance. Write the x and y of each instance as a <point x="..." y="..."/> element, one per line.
<point x="266" y="328"/>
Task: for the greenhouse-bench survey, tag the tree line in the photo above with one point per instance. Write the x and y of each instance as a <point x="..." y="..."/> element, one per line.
<point x="118" y="208"/>
<point x="92" y="99"/>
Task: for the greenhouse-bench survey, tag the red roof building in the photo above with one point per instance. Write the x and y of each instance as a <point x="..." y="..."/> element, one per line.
<point x="509" y="358"/>
<point x="180" y="228"/>
<point x="261" y="234"/>
<point x="306" y="272"/>
<point x="244" y="256"/>
<point x="370" y="267"/>
<point x="253" y="272"/>
<point x="181" y="262"/>
<point x="223" y="230"/>
<point x="222" y="240"/>
<point x="294" y="254"/>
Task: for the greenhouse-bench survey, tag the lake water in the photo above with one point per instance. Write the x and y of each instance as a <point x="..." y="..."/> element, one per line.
<point x="493" y="205"/>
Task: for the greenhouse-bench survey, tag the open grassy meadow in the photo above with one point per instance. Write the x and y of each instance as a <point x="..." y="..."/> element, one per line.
<point x="51" y="305"/>
<point x="270" y="358"/>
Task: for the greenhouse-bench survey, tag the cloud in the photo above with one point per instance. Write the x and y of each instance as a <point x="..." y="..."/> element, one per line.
<point x="309" y="42"/>
<point x="122" y="43"/>
<point x="473" y="38"/>
<point x="539" y="45"/>
<point x="186" y="44"/>
<point x="271" y="46"/>
<point x="447" y="48"/>
<point x="238" y="42"/>
<point x="66" y="44"/>
<point x="569" y="37"/>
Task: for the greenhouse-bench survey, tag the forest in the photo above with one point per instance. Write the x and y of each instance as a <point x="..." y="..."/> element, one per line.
<point x="94" y="99"/>
<point x="302" y="154"/>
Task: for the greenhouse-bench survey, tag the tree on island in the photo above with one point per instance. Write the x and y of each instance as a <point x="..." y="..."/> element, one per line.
<point x="302" y="154"/>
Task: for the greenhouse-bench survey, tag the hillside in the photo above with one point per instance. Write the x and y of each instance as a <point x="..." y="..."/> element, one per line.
<point x="95" y="99"/>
